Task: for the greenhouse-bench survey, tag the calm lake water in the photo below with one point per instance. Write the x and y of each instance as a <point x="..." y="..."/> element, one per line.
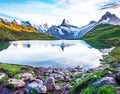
<point x="58" y="53"/>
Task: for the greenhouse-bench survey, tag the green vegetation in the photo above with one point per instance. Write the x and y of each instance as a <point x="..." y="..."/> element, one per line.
<point x="90" y="78"/>
<point x="11" y="32"/>
<point x="105" y="36"/>
<point x="113" y="57"/>
<point x="3" y="79"/>
<point x="9" y="85"/>
<point x="32" y="72"/>
<point x="32" y="91"/>
<point x="103" y="32"/>
<point x="76" y="76"/>
<point x="3" y="45"/>
<point x="12" y="69"/>
<point x="58" y="81"/>
<point x="106" y="89"/>
<point x="117" y="78"/>
<point x="89" y="90"/>
<point x="16" y="76"/>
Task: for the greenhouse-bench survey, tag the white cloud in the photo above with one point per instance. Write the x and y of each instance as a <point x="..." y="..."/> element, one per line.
<point x="78" y="12"/>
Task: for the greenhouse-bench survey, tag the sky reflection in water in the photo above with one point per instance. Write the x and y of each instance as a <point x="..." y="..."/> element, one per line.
<point x="60" y="53"/>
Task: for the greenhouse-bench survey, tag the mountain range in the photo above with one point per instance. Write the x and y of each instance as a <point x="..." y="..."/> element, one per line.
<point x="63" y="31"/>
<point x="67" y="31"/>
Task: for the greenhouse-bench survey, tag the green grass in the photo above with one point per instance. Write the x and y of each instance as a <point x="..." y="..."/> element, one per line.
<point x="32" y="72"/>
<point x="12" y="69"/>
<point x="88" y="90"/>
<point x="16" y="76"/>
<point x="90" y="78"/>
<point x="3" y="79"/>
<point x="73" y="80"/>
<point x="104" y="31"/>
<point x="112" y="57"/>
<point x="106" y="89"/>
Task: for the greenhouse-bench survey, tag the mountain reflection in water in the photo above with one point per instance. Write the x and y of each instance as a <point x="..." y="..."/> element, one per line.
<point x="57" y="53"/>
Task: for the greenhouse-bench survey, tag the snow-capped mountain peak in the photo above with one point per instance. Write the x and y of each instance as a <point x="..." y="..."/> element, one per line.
<point x="5" y="20"/>
<point x="109" y="18"/>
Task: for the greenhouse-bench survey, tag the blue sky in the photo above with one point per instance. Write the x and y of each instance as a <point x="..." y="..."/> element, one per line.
<point x="78" y="12"/>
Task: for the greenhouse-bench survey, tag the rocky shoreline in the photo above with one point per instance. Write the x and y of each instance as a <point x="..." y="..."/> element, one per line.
<point x="19" y="79"/>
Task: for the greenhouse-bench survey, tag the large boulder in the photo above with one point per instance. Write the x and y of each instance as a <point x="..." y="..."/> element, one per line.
<point x="50" y="83"/>
<point x="39" y="87"/>
<point x="104" y="81"/>
<point x="26" y="76"/>
<point x="16" y="83"/>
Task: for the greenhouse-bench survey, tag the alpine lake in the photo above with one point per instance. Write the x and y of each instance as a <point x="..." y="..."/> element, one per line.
<point x="53" y="53"/>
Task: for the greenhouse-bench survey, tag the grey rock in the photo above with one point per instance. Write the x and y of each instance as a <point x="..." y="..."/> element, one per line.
<point x="16" y="83"/>
<point x="26" y="76"/>
<point x="104" y="80"/>
<point x="59" y="77"/>
<point x="40" y="88"/>
<point x="49" y="83"/>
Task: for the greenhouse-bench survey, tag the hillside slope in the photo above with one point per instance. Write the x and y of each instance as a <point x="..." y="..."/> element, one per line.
<point x="15" y="32"/>
<point x="110" y="35"/>
<point x="104" y="32"/>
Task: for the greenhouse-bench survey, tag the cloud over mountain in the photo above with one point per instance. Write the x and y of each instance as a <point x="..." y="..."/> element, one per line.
<point x="111" y="6"/>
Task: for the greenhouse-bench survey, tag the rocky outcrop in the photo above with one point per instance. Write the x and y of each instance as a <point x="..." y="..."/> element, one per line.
<point x="16" y="83"/>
